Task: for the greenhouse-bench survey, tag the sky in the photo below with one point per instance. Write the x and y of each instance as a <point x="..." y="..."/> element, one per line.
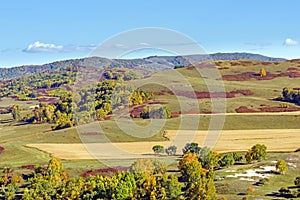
<point x="38" y="32"/>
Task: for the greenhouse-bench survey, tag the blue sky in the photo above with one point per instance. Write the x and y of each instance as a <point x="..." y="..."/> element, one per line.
<point x="36" y="32"/>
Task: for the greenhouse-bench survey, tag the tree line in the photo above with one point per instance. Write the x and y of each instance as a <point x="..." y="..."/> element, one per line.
<point x="146" y="179"/>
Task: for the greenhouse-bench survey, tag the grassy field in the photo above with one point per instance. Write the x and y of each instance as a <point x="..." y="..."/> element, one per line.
<point x="30" y="144"/>
<point x="278" y="140"/>
<point x="264" y="91"/>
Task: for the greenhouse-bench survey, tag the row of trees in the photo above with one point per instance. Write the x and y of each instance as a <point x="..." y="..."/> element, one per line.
<point x="146" y="179"/>
<point x="211" y="160"/>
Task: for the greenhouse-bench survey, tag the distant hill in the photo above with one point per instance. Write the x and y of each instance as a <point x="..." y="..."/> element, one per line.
<point x="149" y="64"/>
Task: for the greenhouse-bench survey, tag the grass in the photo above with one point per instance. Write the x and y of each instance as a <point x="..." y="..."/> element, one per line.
<point x="264" y="90"/>
<point x="232" y="188"/>
<point x="14" y="137"/>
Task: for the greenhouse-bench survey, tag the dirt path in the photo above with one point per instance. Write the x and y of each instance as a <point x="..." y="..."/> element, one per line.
<point x="230" y="140"/>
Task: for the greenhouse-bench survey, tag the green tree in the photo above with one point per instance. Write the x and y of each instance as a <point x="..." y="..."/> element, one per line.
<point x="158" y="149"/>
<point x="257" y="152"/>
<point x="207" y="158"/>
<point x="238" y="157"/>
<point x="191" y="148"/>
<point x="171" y="150"/>
<point x="121" y="186"/>
<point x="281" y="166"/>
<point x="226" y="160"/>
<point x="172" y="187"/>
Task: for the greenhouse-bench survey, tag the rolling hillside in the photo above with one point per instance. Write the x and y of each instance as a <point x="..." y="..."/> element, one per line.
<point x="149" y="64"/>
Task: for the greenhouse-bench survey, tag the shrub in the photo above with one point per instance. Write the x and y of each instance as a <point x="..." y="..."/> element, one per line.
<point x="284" y="190"/>
<point x="162" y="112"/>
<point x="158" y="149"/>
<point x="238" y="157"/>
<point x="250" y="190"/>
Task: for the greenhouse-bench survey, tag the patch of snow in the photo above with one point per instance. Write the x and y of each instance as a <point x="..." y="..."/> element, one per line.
<point x="292" y="159"/>
<point x="292" y="165"/>
<point x="261" y="172"/>
<point x="268" y="168"/>
<point x="230" y="170"/>
<point x="246" y="179"/>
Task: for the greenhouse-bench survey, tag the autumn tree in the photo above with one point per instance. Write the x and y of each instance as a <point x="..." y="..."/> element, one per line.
<point x="16" y="112"/>
<point x="207" y="158"/>
<point x="198" y="181"/>
<point x="46" y="184"/>
<point x="257" y="152"/>
<point x="281" y="166"/>
<point x="10" y="183"/>
<point x="262" y="72"/>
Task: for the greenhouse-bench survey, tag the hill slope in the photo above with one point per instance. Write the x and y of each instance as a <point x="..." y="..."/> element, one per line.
<point x="149" y="64"/>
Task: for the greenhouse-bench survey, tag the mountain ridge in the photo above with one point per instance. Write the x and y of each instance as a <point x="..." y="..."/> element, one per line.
<point x="151" y="63"/>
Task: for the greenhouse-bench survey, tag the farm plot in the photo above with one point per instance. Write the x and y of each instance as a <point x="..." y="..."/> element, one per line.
<point x="277" y="140"/>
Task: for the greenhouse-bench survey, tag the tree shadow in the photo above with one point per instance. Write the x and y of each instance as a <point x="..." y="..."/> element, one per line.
<point x="21" y="123"/>
<point x="5" y="121"/>
<point x="281" y="195"/>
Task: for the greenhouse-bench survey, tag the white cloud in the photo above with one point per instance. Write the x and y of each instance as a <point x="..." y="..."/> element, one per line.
<point x="290" y="42"/>
<point x="40" y="47"/>
<point x="43" y="47"/>
<point x="144" y="44"/>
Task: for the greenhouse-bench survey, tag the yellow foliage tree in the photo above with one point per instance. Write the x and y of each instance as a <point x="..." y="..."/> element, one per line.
<point x="262" y="72"/>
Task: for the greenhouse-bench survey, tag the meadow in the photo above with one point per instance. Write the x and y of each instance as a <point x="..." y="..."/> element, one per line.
<point x="29" y="144"/>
